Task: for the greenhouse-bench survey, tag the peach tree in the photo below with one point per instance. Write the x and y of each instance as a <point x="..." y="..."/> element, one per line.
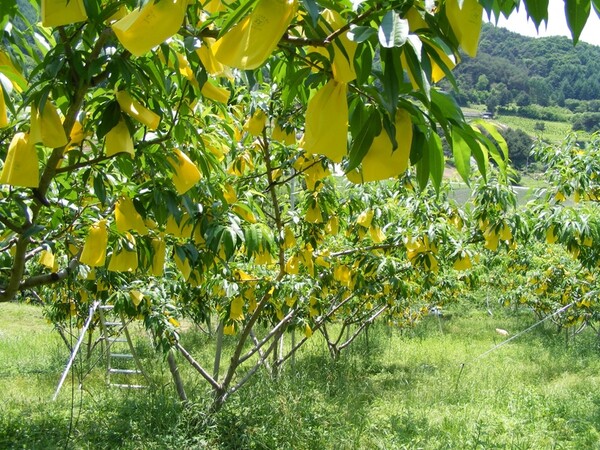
<point x="194" y="158"/>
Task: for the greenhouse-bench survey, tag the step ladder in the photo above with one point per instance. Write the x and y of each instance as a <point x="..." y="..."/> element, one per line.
<point x="123" y="367"/>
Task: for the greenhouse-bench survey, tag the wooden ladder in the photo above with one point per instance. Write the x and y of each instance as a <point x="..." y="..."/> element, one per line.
<point x="122" y="362"/>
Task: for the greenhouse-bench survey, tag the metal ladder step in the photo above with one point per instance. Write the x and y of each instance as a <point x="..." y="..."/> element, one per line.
<point x="115" y="331"/>
<point x="121" y="355"/>
<point x="125" y="371"/>
<point x="128" y="386"/>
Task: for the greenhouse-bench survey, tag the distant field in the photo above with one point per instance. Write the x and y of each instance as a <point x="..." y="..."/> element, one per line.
<point x="554" y="132"/>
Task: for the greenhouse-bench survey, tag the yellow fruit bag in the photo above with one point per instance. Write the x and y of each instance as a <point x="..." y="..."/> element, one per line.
<point x="21" y="164"/>
<point x="381" y="162"/>
<point x="118" y="140"/>
<point x="56" y="13"/>
<point x="46" y="127"/>
<point x="94" y="249"/>
<point x="252" y="40"/>
<point x="326" y="126"/>
<point x="134" y="109"/>
<point x="145" y="28"/>
<point x="186" y="173"/>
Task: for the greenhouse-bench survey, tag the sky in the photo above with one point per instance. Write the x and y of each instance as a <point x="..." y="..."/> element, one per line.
<point x="557" y="24"/>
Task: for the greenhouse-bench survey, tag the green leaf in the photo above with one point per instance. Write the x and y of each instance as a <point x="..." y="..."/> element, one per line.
<point x="480" y="154"/>
<point x="313" y="10"/>
<point x="8" y="8"/>
<point x="361" y="34"/>
<point x="237" y="15"/>
<point x="363" y="63"/>
<point x="392" y="74"/>
<point x="99" y="188"/>
<point x="462" y="154"/>
<point x="363" y="140"/>
<point x="490" y="128"/>
<point x="390" y="128"/>
<point x="436" y="160"/>
<point x="447" y="107"/>
<point x="538" y="11"/>
<point x="393" y="31"/>
<point x="577" y="12"/>
<point x="493" y="150"/>
<point x="109" y="119"/>
<point x="412" y="53"/>
<point x="434" y="57"/>
<point x="420" y="142"/>
<point x="252" y="239"/>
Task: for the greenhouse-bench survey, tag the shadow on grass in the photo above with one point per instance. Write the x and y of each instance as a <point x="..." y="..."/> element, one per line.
<point x="116" y="419"/>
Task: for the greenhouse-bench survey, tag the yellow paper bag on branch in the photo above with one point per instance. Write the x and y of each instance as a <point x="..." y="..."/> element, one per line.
<point x="249" y="43"/>
<point x="94" y="249"/>
<point x="145" y="28"/>
<point x="381" y="162"/>
<point x="326" y="127"/>
<point x="186" y="173"/>
<point x="118" y="140"/>
<point x="21" y="164"/>
<point x="56" y="13"/>
<point x="47" y="127"/>
<point x="127" y="218"/>
<point x="134" y="109"/>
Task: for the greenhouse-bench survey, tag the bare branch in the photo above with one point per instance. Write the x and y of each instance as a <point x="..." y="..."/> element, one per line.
<point x="260" y="352"/>
<point x="252" y="371"/>
<point x="49" y="278"/>
<point x="364" y="249"/>
<point x="369" y="321"/>
<point x="198" y="367"/>
<point x="315" y="328"/>
<point x="273" y="332"/>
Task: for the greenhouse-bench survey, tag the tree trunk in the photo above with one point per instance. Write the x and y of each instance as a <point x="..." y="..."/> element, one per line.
<point x="218" y="351"/>
<point x="176" y="377"/>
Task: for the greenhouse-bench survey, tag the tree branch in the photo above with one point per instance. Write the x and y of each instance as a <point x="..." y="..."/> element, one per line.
<point x="252" y="371"/>
<point x="315" y="328"/>
<point x="367" y="322"/>
<point x="10" y="224"/>
<point x="80" y="165"/>
<point x="49" y="278"/>
<point x="268" y="336"/>
<point x="364" y="249"/>
<point x="198" y="367"/>
<point x="329" y="39"/>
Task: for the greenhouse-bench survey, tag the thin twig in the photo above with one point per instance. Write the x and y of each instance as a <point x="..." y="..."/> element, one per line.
<point x="367" y="322"/>
<point x="82" y="164"/>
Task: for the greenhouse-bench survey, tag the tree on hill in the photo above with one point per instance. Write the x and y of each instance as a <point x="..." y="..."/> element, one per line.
<point x="520" y="145"/>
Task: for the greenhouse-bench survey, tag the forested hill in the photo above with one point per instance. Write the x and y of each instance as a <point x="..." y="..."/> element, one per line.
<point x="524" y="70"/>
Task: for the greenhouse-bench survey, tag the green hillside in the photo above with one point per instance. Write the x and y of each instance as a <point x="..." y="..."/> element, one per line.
<point x="510" y="68"/>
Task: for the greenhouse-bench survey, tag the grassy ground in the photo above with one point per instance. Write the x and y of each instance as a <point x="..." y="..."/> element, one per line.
<point x="391" y="390"/>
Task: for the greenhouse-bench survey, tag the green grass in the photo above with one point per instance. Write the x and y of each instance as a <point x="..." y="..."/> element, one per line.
<point x="392" y="390"/>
